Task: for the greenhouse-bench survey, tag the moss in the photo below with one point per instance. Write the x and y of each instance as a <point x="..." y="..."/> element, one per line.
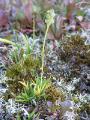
<point x="54" y="94"/>
<point x="85" y="107"/>
<point x="75" y="47"/>
<point x="24" y="70"/>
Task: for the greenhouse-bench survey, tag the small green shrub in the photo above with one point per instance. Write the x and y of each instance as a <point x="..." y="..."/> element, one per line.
<point x="24" y="70"/>
<point x="20" y="51"/>
<point x="34" y="90"/>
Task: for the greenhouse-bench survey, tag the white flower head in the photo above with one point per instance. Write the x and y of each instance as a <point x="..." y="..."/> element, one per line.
<point x="50" y="17"/>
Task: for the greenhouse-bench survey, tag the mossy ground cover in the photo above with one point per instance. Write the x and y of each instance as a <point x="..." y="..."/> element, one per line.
<point x="45" y="80"/>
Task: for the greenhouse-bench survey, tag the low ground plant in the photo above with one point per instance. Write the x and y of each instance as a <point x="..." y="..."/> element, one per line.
<point x="34" y="90"/>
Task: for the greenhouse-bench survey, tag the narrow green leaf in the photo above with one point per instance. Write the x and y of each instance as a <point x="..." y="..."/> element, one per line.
<point x="7" y="41"/>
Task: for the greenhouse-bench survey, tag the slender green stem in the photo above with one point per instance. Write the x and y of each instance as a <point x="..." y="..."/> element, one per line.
<point x="43" y="49"/>
<point x="33" y="32"/>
